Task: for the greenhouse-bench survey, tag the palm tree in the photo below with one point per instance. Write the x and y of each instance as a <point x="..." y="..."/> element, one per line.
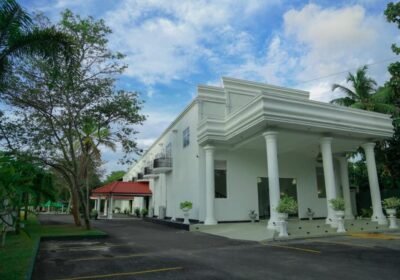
<point x="90" y="138"/>
<point x="364" y="94"/>
<point x="19" y="37"/>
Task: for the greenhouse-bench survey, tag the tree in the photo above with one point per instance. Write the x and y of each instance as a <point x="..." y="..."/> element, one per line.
<point x="114" y="176"/>
<point x="53" y="100"/>
<point x="20" y="38"/>
<point x="21" y="178"/>
<point x="364" y="94"/>
<point x="392" y="14"/>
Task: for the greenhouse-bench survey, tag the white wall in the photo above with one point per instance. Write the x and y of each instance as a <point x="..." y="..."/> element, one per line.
<point x="244" y="166"/>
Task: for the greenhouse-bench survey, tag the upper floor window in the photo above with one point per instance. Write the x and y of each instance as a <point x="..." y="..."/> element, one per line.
<point x="186" y="137"/>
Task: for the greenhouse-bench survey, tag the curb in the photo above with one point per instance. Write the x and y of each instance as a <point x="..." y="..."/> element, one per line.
<point x="28" y="274"/>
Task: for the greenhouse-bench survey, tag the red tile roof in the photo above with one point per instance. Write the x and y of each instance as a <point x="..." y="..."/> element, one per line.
<point x="124" y="188"/>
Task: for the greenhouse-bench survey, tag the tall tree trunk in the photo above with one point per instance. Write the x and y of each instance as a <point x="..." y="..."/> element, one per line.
<point x="83" y="204"/>
<point x="75" y="206"/>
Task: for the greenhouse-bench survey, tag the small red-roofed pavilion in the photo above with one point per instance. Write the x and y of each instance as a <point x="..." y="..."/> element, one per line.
<point x="118" y="191"/>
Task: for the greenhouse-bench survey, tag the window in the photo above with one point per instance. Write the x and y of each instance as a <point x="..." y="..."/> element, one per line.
<point x="168" y="151"/>
<point x="186" y="137"/>
<point x="321" y="182"/>
<point x="220" y="178"/>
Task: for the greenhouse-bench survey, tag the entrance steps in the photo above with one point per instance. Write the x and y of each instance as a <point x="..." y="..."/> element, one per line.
<point x="317" y="228"/>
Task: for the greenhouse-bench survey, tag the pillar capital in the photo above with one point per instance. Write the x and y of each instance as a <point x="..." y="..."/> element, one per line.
<point x="326" y="140"/>
<point x="270" y="134"/>
<point x="368" y="145"/>
<point x="209" y="148"/>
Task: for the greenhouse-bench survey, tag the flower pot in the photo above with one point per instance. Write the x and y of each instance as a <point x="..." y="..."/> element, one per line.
<point x="392" y="218"/>
<point x="282" y="224"/>
<point x="253" y="217"/>
<point x="340" y="221"/>
<point x="283" y="216"/>
<point x="186" y="216"/>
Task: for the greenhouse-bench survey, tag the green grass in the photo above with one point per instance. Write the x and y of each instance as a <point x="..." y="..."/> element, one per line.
<point x="16" y="257"/>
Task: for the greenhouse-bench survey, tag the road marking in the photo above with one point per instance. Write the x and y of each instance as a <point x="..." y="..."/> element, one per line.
<point x="294" y="248"/>
<point x="342" y="243"/>
<point x="124" y="273"/>
<point x="112" y="257"/>
<point x="89" y="247"/>
<point x="374" y="236"/>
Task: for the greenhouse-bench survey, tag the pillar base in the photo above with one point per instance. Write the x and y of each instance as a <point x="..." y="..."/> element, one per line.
<point x="381" y="220"/>
<point x="210" y="221"/>
<point x="349" y="217"/>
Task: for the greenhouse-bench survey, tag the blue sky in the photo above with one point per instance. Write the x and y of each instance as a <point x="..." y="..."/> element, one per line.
<point x="172" y="46"/>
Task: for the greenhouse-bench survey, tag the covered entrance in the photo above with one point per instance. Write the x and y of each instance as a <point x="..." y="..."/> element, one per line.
<point x="288" y="187"/>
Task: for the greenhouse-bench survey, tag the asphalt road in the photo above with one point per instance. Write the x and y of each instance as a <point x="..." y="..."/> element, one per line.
<point x="141" y="250"/>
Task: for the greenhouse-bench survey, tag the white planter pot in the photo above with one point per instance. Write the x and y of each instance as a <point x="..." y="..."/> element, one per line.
<point x="186" y="216"/>
<point x="392" y="218"/>
<point x="340" y="221"/>
<point x="282" y="224"/>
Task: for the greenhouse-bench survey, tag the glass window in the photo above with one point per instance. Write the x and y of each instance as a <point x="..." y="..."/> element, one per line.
<point x="220" y="179"/>
<point x="186" y="137"/>
<point x="321" y="182"/>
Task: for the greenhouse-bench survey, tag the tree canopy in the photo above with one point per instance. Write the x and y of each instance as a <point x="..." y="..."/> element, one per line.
<point x="65" y="110"/>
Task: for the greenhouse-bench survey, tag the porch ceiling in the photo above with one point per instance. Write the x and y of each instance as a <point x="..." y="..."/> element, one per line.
<point x="300" y="143"/>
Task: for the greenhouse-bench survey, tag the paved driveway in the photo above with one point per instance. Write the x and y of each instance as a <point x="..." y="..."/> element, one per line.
<point x="141" y="250"/>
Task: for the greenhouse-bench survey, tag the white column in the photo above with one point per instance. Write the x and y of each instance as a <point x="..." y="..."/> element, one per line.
<point x="105" y="207"/>
<point x="329" y="176"/>
<point x="344" y="178"/>
<point x="377" y="215"/>
<point x="173" y="203"/>
<point x="95" y="205"/>
<point x="210" y="187"/>
<point x="163" y="190"/>
<point x="110" y="208"/>
<point x="273" y="176"/>
<point x="98" y="201"/>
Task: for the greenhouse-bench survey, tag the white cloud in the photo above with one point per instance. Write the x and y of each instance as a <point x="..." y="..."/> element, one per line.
<point x="164" y="40"/>
<point x="316" y="42"/>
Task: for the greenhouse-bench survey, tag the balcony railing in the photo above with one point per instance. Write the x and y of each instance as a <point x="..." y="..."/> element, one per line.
<point x="162" y="162"/>
<point x="148" y="170"/>
<point x="140" y="176"/>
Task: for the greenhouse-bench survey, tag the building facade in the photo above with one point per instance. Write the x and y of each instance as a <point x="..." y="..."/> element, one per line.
<point x="241" y="146"/>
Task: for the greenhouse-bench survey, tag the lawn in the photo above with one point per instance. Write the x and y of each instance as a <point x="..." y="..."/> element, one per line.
<point x="17" y="256"/>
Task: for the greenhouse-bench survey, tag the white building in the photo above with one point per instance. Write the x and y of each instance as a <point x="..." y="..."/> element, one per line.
<point x="239" y="147"/>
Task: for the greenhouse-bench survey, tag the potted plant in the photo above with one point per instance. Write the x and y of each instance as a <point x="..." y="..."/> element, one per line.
<point x="287" y="205"/>
<point x="391" y="204"/>
<point x="137" y="212"/>
<point x="185" y="207"/>
<point x="144" y="212"/>
<point x="338" y="207"/>
<point x="253" y="215"/>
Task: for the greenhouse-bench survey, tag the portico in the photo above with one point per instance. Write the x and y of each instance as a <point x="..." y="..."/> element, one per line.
<point x="240" y="147"/>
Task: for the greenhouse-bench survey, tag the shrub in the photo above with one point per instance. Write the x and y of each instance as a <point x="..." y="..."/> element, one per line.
<point x="117" y="209"/>
<point x="366" y="213"/>
<point x="126" y="211"/>
<point x="137" y="212"/>
<point x="391" y="203"/>
<point x="186" y="205"/>
<point x="144" y="212"/>
<point x="287" y="205"/>
<point x="337" y="204"/>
